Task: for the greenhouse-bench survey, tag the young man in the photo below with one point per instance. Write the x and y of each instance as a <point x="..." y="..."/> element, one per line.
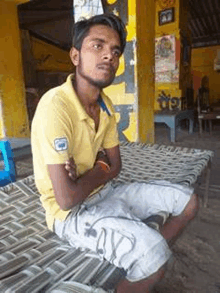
<point x="76" y="154"/>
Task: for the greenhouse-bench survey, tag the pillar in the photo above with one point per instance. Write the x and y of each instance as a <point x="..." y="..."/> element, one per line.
<point x="13" y="111"/>
<point x="133" y="89"/>
<point x="145" y="30"/>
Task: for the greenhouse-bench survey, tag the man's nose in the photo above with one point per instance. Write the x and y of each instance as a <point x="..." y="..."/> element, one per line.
<point x="108" y="55"/>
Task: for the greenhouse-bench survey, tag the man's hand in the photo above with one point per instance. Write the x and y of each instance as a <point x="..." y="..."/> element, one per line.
<point x="101" y="156"/>
<point x="70" y="167"/>
<point x="103" y="161"/>
<point x="70" y="190"/>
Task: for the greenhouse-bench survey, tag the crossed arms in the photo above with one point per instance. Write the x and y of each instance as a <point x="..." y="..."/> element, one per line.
<point x="70" y="190"/>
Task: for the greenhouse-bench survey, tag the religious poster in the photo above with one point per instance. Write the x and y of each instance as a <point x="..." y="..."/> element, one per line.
<point x="175" y="74"/>
<point x="165" y="53"/>
<point x="164" y="77"/>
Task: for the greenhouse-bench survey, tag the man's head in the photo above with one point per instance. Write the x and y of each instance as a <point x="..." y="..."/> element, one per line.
<point x="81" y="29"/>
<point x="98" y="44"/>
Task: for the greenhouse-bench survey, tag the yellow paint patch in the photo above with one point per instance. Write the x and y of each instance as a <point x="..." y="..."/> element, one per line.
<point x="131" y="132"/>
<point x="118" y="95"/>
<point x="111" y="1"/>
<point x="131" y="27"/>
<point x="121" y="67"/>
<point x="117" y="92"/>
<point x="117" y="116"/>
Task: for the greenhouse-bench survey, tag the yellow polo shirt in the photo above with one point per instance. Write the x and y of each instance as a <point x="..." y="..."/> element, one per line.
<point x="62" y="129"/>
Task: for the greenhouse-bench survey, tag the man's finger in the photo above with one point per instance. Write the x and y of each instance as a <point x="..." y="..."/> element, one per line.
<point x="69" y="167"/>
<point x="71" y="163"/>
<point x="72" y="176"/>
<point x="71" y="160"/>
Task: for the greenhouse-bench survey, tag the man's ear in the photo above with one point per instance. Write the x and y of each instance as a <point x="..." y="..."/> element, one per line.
<point x="74" y="56"/>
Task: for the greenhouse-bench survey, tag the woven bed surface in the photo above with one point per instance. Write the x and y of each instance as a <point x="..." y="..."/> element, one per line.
<point x="33" y="259"/>
<point x="143" y="162"/>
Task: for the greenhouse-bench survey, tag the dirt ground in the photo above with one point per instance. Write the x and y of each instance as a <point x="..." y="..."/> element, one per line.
<point x="196" y="266"/>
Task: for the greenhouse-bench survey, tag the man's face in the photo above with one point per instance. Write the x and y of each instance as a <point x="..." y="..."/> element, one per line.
<point x="98" y="58"/>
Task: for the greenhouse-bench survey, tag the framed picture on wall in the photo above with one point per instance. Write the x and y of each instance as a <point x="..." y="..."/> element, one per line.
<point x="166" y="16"/>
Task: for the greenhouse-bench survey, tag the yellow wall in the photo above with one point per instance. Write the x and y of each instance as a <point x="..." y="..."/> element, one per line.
<point x="133" y="89"/>
<point x="49" y="57"/>
<point x="136" y="90"/>
<point x="117" y="92"/>
<point x="203" y="65"/>
<point x="168" y="28"/>
<point x="178" y="28"/>
<point x="13" y="118"/>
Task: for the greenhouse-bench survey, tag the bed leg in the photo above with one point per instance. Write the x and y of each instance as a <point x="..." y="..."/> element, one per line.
<point x="207" y="180"/>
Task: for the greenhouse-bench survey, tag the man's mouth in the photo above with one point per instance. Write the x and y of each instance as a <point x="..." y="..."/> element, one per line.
<point x="106" y="67"/>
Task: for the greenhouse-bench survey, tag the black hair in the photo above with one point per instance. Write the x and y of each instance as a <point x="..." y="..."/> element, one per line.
<point x="82" y="27"/>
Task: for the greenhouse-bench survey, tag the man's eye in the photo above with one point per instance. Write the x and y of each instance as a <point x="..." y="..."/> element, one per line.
<point x="97" y="46"/>
<point x="117" y="53"/>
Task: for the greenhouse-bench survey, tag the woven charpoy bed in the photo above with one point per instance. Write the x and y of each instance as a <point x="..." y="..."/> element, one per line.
<point x="33" y="259"/>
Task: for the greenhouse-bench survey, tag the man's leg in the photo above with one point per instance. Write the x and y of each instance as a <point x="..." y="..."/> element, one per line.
<point x="173" y="227"/>
<point x="143" y="286"/>
<point x="170" y="231"/>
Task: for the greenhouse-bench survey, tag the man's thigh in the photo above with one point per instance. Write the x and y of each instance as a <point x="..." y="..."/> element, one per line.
<point x="146" y="199"/>
<point x="109" y="229"/>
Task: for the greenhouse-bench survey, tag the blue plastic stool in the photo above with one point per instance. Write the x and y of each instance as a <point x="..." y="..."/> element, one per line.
<point x="7" y="175"/>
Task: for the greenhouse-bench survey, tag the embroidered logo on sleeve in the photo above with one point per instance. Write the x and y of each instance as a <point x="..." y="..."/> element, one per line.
<point x="60" y="144"/>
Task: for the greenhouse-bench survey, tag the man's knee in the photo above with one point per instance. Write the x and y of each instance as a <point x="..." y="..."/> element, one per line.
<point x="192" y="207"/>
<point x="143" y="286"/>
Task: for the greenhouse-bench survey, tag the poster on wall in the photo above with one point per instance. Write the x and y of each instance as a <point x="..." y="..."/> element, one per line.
<point x="87" y="8"/>
<point x="164" y="77"/>
<point x="175" y="74"/>
<point x="167" y="76"/>
<point x="165" y="53"/>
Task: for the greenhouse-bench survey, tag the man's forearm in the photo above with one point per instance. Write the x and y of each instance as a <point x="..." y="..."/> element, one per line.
<point x="70" y="190"/>
<point x="94" y="178"/>
<point x="81" y="188"/>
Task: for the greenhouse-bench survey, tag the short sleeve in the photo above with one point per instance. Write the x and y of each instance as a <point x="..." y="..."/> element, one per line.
<point x="53" y="133"/>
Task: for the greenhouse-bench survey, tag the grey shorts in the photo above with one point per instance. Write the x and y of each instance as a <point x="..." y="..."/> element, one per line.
<point x="109" y="222"/>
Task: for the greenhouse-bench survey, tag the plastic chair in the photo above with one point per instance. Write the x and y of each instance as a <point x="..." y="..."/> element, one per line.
<point x="7" y="175"/>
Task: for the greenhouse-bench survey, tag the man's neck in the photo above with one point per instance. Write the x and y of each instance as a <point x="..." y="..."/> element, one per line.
<point x="87" y="93"/>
